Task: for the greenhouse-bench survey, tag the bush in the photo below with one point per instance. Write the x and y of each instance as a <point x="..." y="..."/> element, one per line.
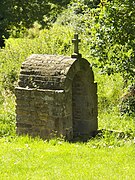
<point x="128" y="102"/>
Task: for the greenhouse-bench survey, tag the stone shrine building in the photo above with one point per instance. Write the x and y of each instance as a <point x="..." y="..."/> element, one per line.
<point x="56" y="95"/>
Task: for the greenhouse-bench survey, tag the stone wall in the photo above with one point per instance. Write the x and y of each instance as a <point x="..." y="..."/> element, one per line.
<point x="43" y="113"/>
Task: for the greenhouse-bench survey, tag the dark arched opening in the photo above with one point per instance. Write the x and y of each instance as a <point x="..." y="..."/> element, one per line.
<point x="79" y="106"/>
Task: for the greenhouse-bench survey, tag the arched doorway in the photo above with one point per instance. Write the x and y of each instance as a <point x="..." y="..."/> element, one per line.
<point x="79" y="106"/>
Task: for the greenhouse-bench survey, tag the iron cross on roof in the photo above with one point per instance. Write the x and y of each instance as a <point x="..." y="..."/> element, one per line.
<point x="76" y="49"/>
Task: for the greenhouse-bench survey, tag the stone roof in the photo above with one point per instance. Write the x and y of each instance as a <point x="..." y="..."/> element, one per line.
<point x="48" y="71"/>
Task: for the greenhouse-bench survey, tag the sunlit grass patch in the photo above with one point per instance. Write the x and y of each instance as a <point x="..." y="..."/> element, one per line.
<point x="24" y="158"/>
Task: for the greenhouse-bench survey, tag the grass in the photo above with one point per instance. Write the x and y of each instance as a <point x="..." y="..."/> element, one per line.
<point x="7" y="114"/>
<point x="25" y="158"/>
<point x="112" y="120"/>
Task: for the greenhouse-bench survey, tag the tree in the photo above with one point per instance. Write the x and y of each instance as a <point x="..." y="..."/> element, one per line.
<point x="114" y="39"/>
<point x="19" y="13"/>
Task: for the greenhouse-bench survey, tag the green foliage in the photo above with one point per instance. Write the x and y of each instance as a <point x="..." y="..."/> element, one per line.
<point x="7" y="114"/>
<point x="74" y="16"/>
<point x="111" y="139"/>
<point x="109" y="33"/>
<point x="111" y="119"/>
<point x="16" y="16"/>
<point x="110" y="90"/>
<point x="128" y="105"/>
<point x="62" y="3"/>
<point x="113" y="43"/>
<point x="128" y="102"/>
